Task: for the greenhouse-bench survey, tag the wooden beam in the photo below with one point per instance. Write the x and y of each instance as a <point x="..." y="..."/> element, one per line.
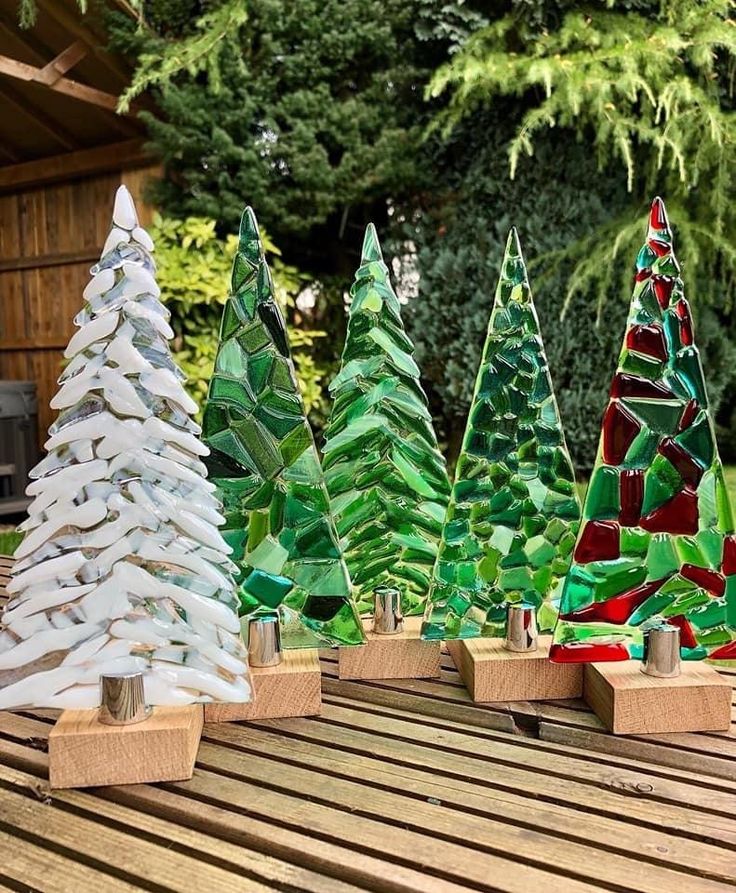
<point x="85" y="162"/>
<point x="64" y="62"/>
<point x="24" y="72"/>
<point x="13" y="264"/>
<point x="50" y="127"/>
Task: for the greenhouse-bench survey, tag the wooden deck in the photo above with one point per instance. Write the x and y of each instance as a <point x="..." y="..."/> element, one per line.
<point x="395" y="787"/>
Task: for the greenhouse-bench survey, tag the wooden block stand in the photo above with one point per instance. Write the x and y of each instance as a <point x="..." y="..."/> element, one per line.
<point x="293" y="688"/>
<point x="632" y="703"/>
<point x="400" y="656"/>
<point x="493" y="674"/>
<point x="83" y="752"/>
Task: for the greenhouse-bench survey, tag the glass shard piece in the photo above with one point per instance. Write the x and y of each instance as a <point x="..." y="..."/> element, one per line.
<point x="513" y="513"/>
<point x="122" y="568"/>
<point x="386" y="477"/>
<point x="675" y="521"/>
<point x="264" y="463"/>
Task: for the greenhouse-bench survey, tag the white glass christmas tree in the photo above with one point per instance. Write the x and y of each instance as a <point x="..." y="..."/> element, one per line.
<point x="122" y="568"/>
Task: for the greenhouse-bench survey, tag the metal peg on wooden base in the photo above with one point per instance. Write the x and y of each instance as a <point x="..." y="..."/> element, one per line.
<point x="124" y="741"/>
<point x="394" y="649"/>
<point x="285" y="682"/>
<point x="658" y="694"/>
<point x="516" y="668"/>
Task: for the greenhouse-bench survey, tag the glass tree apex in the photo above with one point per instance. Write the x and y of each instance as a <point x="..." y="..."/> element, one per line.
<point x="514" y="512"/>
<point x="266" y="468"/>
<point x="657" y="539"/>
<point x="386" y="477"/>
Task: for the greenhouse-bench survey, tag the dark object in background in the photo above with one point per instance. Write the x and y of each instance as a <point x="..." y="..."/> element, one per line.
<point x="18" y="443"/>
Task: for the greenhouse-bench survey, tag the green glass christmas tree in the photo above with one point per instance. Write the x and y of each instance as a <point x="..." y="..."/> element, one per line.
<point x="266" y="469"/>
<point x="657" y="540"/>
<point x="514" y="513"/>
<point x="386" y="478"/>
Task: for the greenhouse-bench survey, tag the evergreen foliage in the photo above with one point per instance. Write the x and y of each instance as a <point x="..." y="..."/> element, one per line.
<point x="386" y="478"/>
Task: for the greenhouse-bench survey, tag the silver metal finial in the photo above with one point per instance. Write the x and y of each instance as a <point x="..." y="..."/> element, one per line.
<point x="661" y="651"/>
<point x="387" y="617"/>
<point x="521" y="627"/>
<point x="122" y="699"/>
<point x="264" y="641"/>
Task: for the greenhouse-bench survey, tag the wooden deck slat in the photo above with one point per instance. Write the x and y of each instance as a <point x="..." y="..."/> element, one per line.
<point x="398" y="787"/>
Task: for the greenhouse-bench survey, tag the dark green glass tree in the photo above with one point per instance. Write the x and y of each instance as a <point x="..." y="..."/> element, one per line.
<point x="386" y="477"/>
<point x="657" y="543"/>
<point x="514" y="513"/>
<point x="266" y="469"/>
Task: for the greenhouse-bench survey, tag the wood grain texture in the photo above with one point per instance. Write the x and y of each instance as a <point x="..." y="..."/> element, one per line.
<point x="400" y="656"/>
<point x="83" y="752"/>
<point x="629" y="702"/>
<point x="491" y="673"/>
<point x="293" y="688"/>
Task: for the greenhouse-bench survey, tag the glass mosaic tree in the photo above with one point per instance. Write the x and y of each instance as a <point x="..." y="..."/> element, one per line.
<point x="386" y="477"/>
<point x="122" y="568"/>
<point x="657" y="537"/>
<point x="265" y="465"/>
<point x="514" y="513"/>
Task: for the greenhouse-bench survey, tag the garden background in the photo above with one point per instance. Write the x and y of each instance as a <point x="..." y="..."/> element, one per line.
<point x="444" y="123"/>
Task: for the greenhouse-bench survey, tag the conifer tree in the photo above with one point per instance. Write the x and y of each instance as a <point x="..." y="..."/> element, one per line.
<point x="266" y="468"/>
<point x="657" y="539"/>
<point x="514" y="512"/>
<point x="122" y="568"/>
<point x="386" y="477"/>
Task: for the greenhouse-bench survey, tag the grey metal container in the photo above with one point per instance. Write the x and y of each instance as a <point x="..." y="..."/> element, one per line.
<point x="18" y="442"/>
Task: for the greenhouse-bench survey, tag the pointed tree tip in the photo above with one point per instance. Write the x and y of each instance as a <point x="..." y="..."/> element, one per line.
<point x="124" y="213"/>
<point x="513" y="243"/>
<point x="658" y="219"/>
<point x="371" y="246"/>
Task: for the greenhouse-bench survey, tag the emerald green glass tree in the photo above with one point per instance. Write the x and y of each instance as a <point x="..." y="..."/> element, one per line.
<point x="657" y="539"/>
<point x="514" y="513"/>
<point x="386" y="477"/>
<point x="265" y="465"/>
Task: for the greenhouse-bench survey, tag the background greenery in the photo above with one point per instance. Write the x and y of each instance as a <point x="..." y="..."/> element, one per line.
<point x="444" y="122"/>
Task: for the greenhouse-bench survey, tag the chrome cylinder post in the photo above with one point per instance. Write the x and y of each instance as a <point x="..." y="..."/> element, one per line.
<point x="661" y="651"/>
<point x="521" y="627"/>
<point x="387" y="617"/>
<point x="122" y="699"/>
<point x="264" y="641"/>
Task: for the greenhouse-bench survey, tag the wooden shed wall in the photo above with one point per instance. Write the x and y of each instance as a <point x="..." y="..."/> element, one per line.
<point x="49" y="238"/>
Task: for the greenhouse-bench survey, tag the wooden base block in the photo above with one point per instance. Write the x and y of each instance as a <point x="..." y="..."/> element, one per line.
<point x="293" y="688"/>
<point x="632" y="703"/>
<point x="83" y="752"/>
<point x="493" y="674"/>
<point x="400" y="656"/>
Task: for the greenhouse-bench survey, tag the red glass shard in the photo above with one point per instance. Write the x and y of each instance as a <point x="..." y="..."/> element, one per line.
<point x="599" y="541"/>
<point x="728" y="565"/>
<point x="725" y="652"/>
<point x="688" y="415"/>
<point x="663" y="286"/>
<point x="619" y="430"/>
<point x="586" y="652"/>
<point x="648" y="340"/>
<point x="677" y="515"/>
<point x="619" y="608"/>
<point x="624" y="385"/>
<point x="687" y="636"/>
<point x="686" y="325"/>
<point x="658" y="215"/>
<point x="682" y="460"/>
<point x="659" y="247"/>
<point x="706" y="579"/>
<point x="632" y="493"/>
<point x="641" y="275"/>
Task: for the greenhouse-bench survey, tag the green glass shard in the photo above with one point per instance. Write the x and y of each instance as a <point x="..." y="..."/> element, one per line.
<point x="264" y="463"/>
<point x="386" y="478"/>
<point x="513" y="513"/>
<point x="674" y="520"/>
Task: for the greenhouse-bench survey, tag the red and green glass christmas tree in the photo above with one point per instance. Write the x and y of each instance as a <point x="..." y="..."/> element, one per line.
<point x="386" y="477"/>
<point x="657" y="540"/>
<point x="265" y="465"/>
<point x="514" y="513"/>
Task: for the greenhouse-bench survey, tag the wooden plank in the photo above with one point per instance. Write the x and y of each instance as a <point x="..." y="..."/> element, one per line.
<point x="24" y="72"/>
<point x="65" y="61"/>
<point x="400" y="656"/>
<point x="83" y="162"/>
<point x="48" y="260"/>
